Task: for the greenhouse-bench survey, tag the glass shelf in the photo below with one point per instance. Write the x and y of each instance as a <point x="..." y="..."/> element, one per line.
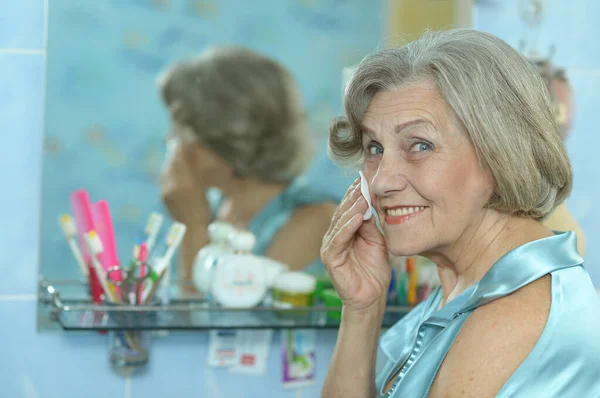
<point x="70" y="307"/>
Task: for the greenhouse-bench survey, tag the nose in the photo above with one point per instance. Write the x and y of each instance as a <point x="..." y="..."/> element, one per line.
<point x="389" y="177"/>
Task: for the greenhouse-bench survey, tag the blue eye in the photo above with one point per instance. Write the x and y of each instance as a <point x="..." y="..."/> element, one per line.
<point x="374" y="150"/>
<point x="421" y="146"/>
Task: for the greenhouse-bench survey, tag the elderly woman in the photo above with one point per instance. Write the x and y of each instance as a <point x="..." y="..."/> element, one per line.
<point x="238" y="125"/>
<point x="457" y="138"/>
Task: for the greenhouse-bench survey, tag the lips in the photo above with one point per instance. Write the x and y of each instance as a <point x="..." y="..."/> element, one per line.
<point x="401" y="214"/>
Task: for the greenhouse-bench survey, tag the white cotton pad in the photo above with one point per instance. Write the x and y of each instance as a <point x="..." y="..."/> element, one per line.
<point x="364" y="189"/>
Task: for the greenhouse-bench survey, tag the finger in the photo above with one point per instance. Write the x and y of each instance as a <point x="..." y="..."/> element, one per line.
<point x="342" y="208"/>
<point x="354" y="184"/>
<point x="348" y="200"/>
<point x="371" y="233"/>
<point x="339" y="211"/>
<point x="341" y="240"/>
<point x="358" y="207"/>
<point x="176" y="164"/>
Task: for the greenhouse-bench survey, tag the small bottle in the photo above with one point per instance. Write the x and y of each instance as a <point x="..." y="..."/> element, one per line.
<point x="239" y="279"/>
<point x="209" y="256"/>
<point x="241" y="242"/>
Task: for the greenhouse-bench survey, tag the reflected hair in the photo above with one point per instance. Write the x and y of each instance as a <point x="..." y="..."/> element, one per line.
<point x="552" y="77"/>
<point x="244" y="106"/>
<point x="495" y="93"/>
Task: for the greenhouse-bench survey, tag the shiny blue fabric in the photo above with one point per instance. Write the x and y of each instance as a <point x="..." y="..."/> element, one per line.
<point x="565" y="362"/>
<point x="277" y="213"/>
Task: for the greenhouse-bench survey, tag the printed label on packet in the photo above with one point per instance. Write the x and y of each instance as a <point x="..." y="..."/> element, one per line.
<point x="222" y="348"/>
<point x="298" y="357"/>
<point x="253" y="351"/>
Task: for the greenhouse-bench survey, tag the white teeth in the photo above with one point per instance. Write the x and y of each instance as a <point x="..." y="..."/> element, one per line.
<point x="403" y="211"/>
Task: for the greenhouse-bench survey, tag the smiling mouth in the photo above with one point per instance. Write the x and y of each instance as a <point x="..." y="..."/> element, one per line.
<point x="404" y="211"/>
<point x="399" y="215"/>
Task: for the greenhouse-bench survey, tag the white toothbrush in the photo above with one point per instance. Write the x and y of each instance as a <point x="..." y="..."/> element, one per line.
<point x="94" y="245"/>
<point x="173" y="240"/>
<point x="152" y="228"/>
<point x="68" y="226"/>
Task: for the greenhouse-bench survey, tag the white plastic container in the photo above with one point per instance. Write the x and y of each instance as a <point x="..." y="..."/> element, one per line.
<point x="239" y="280"/>
<point x="209" y="256"/>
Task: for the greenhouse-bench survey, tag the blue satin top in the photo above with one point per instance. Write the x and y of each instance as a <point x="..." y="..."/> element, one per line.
<point x="565" y="362"/>
<point x="271" y="218"/>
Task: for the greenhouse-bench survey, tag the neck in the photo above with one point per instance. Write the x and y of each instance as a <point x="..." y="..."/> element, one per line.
<point x="467" y="260"/>
<point x="245" y="198"/>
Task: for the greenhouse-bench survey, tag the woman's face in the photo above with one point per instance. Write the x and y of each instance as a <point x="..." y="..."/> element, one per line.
<point x="426" y="182"/>
<point x="206" y="166"/>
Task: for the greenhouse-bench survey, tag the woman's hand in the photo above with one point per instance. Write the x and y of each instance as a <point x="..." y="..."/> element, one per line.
<point x="183" y="194"/>
<point x="184" y="197"/>
<point x="355" y="254"/>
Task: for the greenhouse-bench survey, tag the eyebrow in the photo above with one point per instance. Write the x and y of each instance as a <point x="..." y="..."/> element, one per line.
<point x="399" y="128"/>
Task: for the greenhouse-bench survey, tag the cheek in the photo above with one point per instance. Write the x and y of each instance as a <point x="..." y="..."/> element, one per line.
<point x="370" y="169"/>
<point x="458" y="186"/>
<point x="470" y="185"/>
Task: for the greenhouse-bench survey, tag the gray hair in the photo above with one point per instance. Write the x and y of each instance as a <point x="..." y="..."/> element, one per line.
<point x="244" y="106"/>
<point x="495" y="93"/>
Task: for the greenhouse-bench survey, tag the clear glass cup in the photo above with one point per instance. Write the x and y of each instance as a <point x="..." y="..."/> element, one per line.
<point x="129" y="350"/>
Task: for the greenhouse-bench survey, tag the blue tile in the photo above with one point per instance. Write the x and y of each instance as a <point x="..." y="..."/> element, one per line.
<point x="573" y="28"/>
<point x="178" y="369"/>
<point x="22" y="24"/>
<point x="21" y="85"/>
<point x="570" y="26"/>
<point x="500" y="18"/>
<point x="52" y="365"/>
<point x="583" y="153"/>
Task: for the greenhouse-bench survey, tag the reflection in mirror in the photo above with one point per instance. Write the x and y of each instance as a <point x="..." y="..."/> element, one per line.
<point x="238" y="125"/>
<point x="206" y="113"/>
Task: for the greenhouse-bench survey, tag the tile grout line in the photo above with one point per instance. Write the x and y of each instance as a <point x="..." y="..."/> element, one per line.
<point x="21" y="51"/>
<point x="128" y="386"/>
<point x="18" y="297"/>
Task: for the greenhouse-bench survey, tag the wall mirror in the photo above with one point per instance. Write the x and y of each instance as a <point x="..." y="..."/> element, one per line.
<point x="126" y="78"/>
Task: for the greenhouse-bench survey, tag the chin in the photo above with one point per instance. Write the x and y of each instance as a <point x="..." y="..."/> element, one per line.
<point x="405" y="248"/>
<point x="407" y="244"/>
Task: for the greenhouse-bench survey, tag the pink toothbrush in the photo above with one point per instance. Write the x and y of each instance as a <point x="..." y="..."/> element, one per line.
<point x="82" y="212"/>
<point x="84" y="219"/>
<point x="104" y="227"/>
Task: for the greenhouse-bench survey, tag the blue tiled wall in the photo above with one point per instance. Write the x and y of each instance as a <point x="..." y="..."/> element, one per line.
<point x="75" y="365"/>
<point x="572" y="27"/>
